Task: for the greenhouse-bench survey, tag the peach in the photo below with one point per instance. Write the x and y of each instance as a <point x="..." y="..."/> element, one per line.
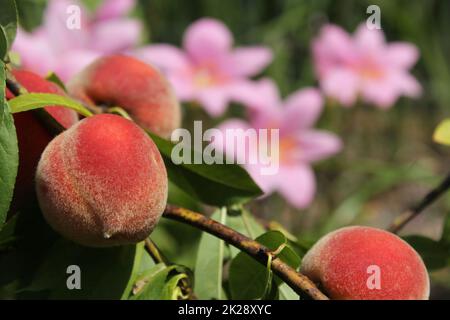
<point x="102" y="182"/>
<point x="137" y="87"/>
<point x="363" y="263"/>
<point x="32" y="136"/>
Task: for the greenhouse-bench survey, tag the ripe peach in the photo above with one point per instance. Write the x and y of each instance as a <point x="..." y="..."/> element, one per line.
<point x="102" y="182"/>
<point x="135" y="86"/>
<point x="32" y="136"/>
<point x="363" y="263"/>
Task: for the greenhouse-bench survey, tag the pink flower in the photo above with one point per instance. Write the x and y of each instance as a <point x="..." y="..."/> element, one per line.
<point x="299" y="143"/>
<point x="56" y="47"/>
<point x="209" y="70"/>
<point x="364" y="65"/>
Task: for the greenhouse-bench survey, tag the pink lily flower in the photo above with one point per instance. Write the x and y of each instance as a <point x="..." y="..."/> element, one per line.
<point x="209" y="70"/>
<point x="300" y="144"/>
<point x="55" y="47"/>
<point x="364" y="65"/>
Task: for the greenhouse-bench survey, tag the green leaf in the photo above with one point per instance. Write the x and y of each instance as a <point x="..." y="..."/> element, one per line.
<point x="433" y="253"/>
<point x="172" y="290"/>
<point x="53" y="77"/>
<point x="105" y="272"/>
<point x="30" y="13"/>
<point x="248" y="278"/>
<point x="8" y="26"/>
<point x="7" y="234"/>
<point x="3" y="43"/>
<point x="155" y="281"/>
<point x="140" y="251"/>
<point x="31" y="101"/>
<point x="9" y="153"/>
<point x="214" y="184"/>
<point x="141" y="290"/>
<point x="243" y="221"/>
<point x="287" y="293"/>
<point x="180" y="197"/>
<point x="209" y="264"/>
<point x="442" y="133"/>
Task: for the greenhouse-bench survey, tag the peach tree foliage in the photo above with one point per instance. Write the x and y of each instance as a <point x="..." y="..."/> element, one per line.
<point x="34" y="259"/>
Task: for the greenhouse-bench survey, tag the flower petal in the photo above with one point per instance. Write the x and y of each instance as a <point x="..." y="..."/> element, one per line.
<point x="401" y="54"/>
<point x="383" y="93"/>
<point x="166" y="57"/>
<point x="250" y="61"/>
<point x="333" y="46"/>
<point x="214" y="100"/>
<point x="317" y="145"/>
<point x="369" y="40"/>
<point x="111" y="9"/>
<point x="258" y="96"/>
<point x="342" y="85"/>
<point x="297" y="184"/>
<point x="302" y="109"/>
<point x="112" y="36"/>
<point x="73" y="62"/>
<point x="56" y="25"/>
<point x="35" y="51"/>
<point x="207" y="39"/>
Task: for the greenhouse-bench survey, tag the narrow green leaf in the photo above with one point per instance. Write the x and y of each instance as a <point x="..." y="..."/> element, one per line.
<point x="172" y="290"/>
<point x="248" y="278"/>
<point x="209" y="263"/>
<point x="214" y="184"/>
<point x="287" y="293"/>
<point x="243" y="221"/>
<point x="53" y="77"/>
<point x="30" y="13"/>
<point x="154" y="284"/>
<point x="442" y="133"/>
<point x="105" y="272"/>
<point x="433" y="253"/>
<point x="135" y="271"/>
<point x="180" y="197"/>
<point x="3" y="43"/>
<point x="9" y="153"/>
<point x="32" y="101"/>
<point x="7" y="234"/>
<point x="8" y="24"/>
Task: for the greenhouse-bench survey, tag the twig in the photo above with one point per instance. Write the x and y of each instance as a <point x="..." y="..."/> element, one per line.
<point x="154" y="252"/>
<point x="429" y="198"/>
<point x="297" y="281"/>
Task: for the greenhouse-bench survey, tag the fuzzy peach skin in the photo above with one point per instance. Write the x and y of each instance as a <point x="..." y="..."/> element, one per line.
<point x="32" y="136"/>
<point x="135" y="86"/>
<point x="102" y="182"/>
<point x="339" y="263"/>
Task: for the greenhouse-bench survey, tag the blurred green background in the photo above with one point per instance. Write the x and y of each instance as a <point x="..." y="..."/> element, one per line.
<point x="389" y="160"/>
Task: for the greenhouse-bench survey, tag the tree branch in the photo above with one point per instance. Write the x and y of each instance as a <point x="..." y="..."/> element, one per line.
<point x="297" y="281"/>
<point x="429" y="198"/>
